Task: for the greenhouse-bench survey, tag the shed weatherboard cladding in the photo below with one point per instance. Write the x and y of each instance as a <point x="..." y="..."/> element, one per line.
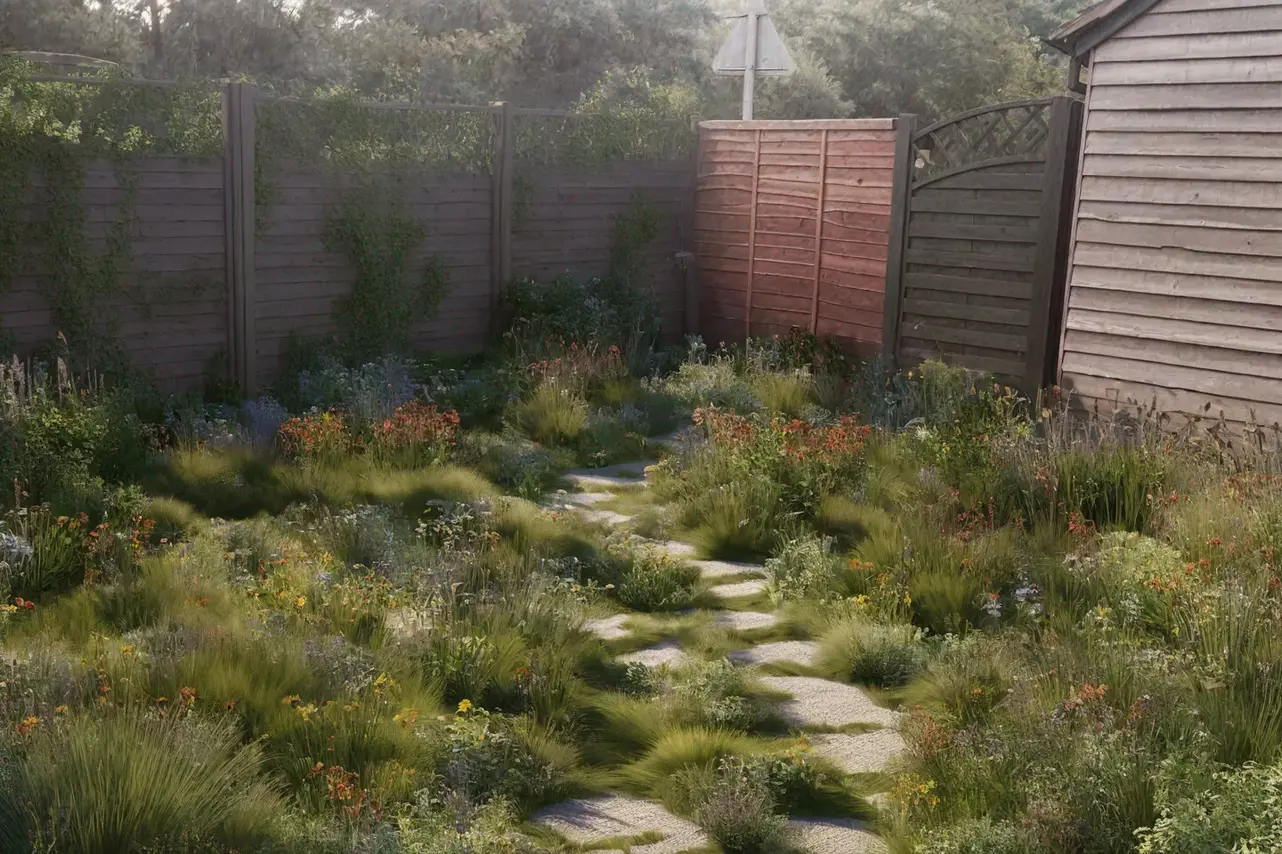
<point x="792" y="228"/>
<point x="1175" y="288"/>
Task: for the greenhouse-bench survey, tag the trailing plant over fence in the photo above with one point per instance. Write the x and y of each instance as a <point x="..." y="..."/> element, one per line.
<point x="372" y="227"/>
<point x="48" y="133"/>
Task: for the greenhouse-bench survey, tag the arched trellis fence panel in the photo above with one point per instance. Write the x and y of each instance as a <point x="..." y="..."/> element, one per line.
<point x="979" y="248"/>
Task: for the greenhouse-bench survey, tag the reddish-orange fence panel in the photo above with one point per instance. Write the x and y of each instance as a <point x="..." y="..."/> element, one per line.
<point x="792" y="227"/>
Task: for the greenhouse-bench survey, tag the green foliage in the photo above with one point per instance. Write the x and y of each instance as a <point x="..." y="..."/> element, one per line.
<point x="128" y="781"/>
<point x="739" y="813"/>
<point x="646" y="578"/>
<point x="372" y="229"/>
<point x="977" y="836"/>
<point x="885" y="656"/>
<point x="1240" y="812"/>
<point x="805" y="566"/>
<point x="551" y="415"/>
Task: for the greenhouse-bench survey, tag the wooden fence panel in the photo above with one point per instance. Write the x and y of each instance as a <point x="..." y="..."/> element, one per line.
<point x="565" y="222"/>
<point x="792" y="227"/>
<point x="169" y="311"/>
<point x="985" y="240"/>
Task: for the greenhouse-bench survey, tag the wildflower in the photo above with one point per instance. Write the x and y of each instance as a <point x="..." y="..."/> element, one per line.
<point x="291" y="700"/>
<point x="300" y="601"/>
<point x="464" y="706"/>
<point x="60" y="710"/>
<point x="28" y="725"/>
<point x="188" y="696"/>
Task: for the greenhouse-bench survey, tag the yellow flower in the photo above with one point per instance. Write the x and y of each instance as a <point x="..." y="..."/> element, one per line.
<point x="126" y="649"/>
<point x="300" y="601"/>
<point x="60" y="710"/>
<point x="464" y="706"/>
<point x="908" y="599"/>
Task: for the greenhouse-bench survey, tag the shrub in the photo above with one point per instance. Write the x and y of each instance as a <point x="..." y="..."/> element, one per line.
<point x="804" y="566"/>
<point x="647" y="578"/>
<point x="1241" y="812"/>
<point x="551" y="415"/>
<point x="739" y="813"/>
<point x="42" y="552"/>
<point x="128" y="781"/>
<point x="976" y="836"/>
<point x="717" y="694"/>
<point x="741" y="520"/>
<point x="965" y="681"/>
<point x="883" y="655"/>
<point x="316" y="436"/>
<point x="487" y="759"/>
<point x="416" y="435"/>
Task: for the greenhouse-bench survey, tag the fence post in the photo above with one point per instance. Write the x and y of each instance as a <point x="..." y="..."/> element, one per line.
<point x="1053" y="226"/>
<point x="238" y="196"/>
<point x="906" y="127"/>
<point x="503" y="205"/>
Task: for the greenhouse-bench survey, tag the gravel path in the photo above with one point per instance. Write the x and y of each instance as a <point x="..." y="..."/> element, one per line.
<point x="727" y="569"/>
<point x="609" y="628"/>
<point x="798" y="652"/>
<point x="834" y="836"/>
<point x="742" y="621"/>
<point x="623" y="474"/>
<point x="616" y="816"/>
<point x="666" y="654"/>
<point x="819" y="702"/>
<point x="860" y="754"/>
<point x="735" y="591"/>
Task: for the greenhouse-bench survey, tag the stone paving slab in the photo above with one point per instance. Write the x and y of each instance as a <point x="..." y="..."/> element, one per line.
<point x="677" y="549"/>
<point x="609" y="517"/>
<point x="865" y="753"/>
<point x="617" y="816"/>
<point x="834" y="836"/>
<point x="727" y="568"/>
<point x="742" y="621"/>
<point x="735" y="591"/>
<point x="609" y="628"/>
<point x="666" y="654"/>
<point x="799" y="652"/>
<point x="623" y="474"/>
<point x="581" y="499"/>
<point x="820" y="702"/>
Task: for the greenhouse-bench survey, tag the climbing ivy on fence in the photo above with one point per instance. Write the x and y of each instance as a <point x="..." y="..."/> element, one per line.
<point x="372" y="227"/>
<point x="49" y="131"/>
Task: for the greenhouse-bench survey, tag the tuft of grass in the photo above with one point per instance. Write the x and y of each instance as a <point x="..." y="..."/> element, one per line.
<point x="174" y="520"/>
<point x="128" y="781"/>
<point x="883" y="655"/>
<point x="551" y="415"/>
<point x="786" y="393"/>
<point x="681" y="748"/>
<point x="741" y="521"/>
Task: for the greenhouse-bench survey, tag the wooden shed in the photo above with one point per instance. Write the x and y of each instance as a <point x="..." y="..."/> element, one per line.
<point x="793" y="227"/>
<point x="1175" y="281"/>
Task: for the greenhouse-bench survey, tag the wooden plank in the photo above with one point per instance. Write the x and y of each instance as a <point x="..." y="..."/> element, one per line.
<point x="962" y="311"/>
<point x="963" y="231"/>
<point x="1167" y="284"/>
<point x="966" y="285"/>
<point x="1173" y="353"/>
<point x="819" y="230"/>
<point x="752" y="238"/>
<point x="936" y="200"/>
<point x="930" y="331"/>
<point x="1239" y="169"/>
<point x="1180" y="331"/>
<point x="1267" y="69"/>
<point x="1203" y="216"/>
<point x="897" y="240"/>
<point x="1221" y="312"/>
<point x="1198" y="96"/>
<point x="971" y="261"/>
<point x="1168" y="6"/>
<point x="809" y="124"/>
<point x="1207" y="21"/>
<point x="1239" y="386"/>
<point x="986" y="179"/>
<point x="1200" y="144"/>
<point x="1193" y="45"/>
<point x="1234" y="194"/>
<point x="1178" y="261"/>
<point x="1215" y="240"/>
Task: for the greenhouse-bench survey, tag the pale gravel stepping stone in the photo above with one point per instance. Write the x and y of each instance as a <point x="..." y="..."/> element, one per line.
<point x="617" y="816"/>
<point x="581" y="499"/>
<point x="742" y="621"/>
<point x="820" y="702"/>
<point x="609" y="517"/>
<point x="866" y="753"/>
<point x="735" y="591"/>
<point x="834" y="836"/>
<point x="799" y="652"/>
<point x="623" y="474"/>
<point x="666" y="654"/>
<point x="677" y="549"/>
<point x="609" y="628"/>
<point x="726" y="568"/>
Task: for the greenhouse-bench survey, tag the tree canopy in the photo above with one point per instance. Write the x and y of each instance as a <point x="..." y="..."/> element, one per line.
<point x="854" y="57"/>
